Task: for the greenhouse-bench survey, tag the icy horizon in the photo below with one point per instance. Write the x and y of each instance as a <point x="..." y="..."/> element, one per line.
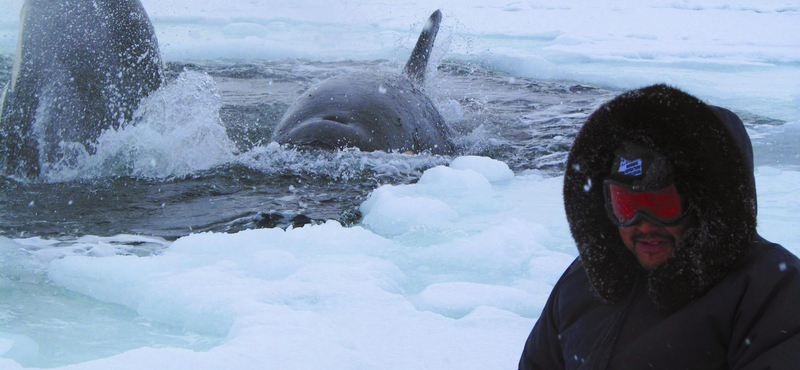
<point x="731" y="53"/>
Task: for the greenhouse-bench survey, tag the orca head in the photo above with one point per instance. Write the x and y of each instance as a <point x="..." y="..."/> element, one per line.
<point x="329" y="133"/>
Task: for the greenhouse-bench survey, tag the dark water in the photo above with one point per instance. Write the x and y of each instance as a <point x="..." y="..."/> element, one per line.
<point x="526" y="123"/>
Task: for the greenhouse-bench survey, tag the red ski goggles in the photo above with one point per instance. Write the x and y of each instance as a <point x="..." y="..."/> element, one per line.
<point x="627" y="206"/>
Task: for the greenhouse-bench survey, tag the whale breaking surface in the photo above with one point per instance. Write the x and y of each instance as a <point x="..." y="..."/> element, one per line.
<point x="81" y="67"/>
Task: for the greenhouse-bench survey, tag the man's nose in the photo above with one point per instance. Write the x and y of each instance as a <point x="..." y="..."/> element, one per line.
<point x="646" y="227"/>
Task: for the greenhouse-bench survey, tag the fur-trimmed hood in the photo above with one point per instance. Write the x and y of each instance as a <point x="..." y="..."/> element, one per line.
<point x="712" y="156"/>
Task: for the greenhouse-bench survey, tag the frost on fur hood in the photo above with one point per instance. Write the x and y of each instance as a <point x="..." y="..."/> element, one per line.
<point x="712" y="156"/>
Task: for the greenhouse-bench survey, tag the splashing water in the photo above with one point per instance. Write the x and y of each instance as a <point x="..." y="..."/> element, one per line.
<point x="175" y="131"/>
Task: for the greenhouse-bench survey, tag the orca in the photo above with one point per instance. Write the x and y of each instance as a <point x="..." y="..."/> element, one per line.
<point x="371" y="112"/>
<point x="81" y="67"/>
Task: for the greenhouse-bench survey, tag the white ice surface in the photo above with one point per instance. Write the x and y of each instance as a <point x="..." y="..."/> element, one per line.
<point x="458" y="286"/>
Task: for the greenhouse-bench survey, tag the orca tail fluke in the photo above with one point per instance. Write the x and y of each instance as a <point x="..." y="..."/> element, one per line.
<point x="418" y="62"/>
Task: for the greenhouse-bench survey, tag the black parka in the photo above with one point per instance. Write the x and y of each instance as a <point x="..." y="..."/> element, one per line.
<point x="725" y="299"/>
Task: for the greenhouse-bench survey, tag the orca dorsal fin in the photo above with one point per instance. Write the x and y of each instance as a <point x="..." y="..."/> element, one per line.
<point x="415" y="68"/>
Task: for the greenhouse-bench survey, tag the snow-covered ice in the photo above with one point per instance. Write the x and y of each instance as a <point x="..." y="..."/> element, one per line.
<point x="458" y="286"/>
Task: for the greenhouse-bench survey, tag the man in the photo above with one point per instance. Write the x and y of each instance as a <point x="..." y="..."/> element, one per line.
<point x="660" y="197"/>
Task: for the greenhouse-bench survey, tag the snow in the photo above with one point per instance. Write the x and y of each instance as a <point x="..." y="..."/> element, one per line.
<point x="494" y="171"/>
<point x="459" y="286"/>
<point x="429" y="295"/>
<point x="450" y="272"/>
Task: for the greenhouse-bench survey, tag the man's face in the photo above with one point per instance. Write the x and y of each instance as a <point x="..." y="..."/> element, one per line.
<point x="656" y="219"/>
<point x="652" y="244"/>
